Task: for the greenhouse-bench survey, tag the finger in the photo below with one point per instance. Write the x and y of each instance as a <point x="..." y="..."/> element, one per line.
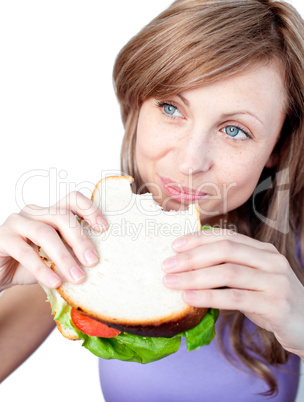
<point x="223" y="251"/>
<point x="75" y="236"/>
<point x="31" y="261"/>
<point x="214" y="235"/>
<point x="245" y="301"/>
<point x="65" y="222"/>
<point x="85" y="208"/>
<point x="224" y="275"/>
<point x="46" y="236"/>
<point x="74" y="202"/>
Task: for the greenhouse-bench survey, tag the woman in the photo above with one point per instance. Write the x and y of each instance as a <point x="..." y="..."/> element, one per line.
<point x="211" y="94"/>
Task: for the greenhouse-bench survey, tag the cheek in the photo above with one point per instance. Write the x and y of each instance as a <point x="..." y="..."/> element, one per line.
<point x="240" y="179"/>
<point x="152" y="145"/>
<point x="146" y="149"/>
<point x="144" y="146"/>
<point x="146" y="142"/>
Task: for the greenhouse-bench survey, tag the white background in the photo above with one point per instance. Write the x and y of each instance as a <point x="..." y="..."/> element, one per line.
<point x="60" y="130"/>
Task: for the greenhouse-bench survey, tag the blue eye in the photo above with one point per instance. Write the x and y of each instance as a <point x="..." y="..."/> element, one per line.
<point x="169" y="109"/>
<point x="234" y="131"/>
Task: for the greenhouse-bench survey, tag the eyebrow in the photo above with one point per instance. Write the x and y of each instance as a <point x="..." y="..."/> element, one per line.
<point x="225" y="115"/>
<point x="245" y="112"/>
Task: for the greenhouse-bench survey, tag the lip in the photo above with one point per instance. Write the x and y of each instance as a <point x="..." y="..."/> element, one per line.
<point x="181" y="193"/>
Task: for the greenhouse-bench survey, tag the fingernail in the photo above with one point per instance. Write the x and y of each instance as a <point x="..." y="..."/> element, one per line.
<point x="77" y="274"/>
<point x="90" y="257"/>
<point x="102" y="223"/>
<point x="171" y="279"/>
<point x="53" y="281"/>
<point x="179" y="243"/>
<point x="169" y="264"/>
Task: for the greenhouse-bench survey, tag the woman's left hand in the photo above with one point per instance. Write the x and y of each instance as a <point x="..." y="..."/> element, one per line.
<point x="229" y="271"/>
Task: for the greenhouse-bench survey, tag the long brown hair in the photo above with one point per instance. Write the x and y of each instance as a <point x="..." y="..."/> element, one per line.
<point x="195" y="42"/>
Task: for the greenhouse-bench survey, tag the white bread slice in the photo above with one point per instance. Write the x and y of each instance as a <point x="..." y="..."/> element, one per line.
<point x="125" y="288"/>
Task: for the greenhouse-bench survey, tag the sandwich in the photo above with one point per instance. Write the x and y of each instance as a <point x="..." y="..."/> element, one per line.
<point x="123" y="310"/>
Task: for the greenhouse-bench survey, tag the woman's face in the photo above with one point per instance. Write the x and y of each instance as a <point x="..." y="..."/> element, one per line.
<point x="209" y="145"/>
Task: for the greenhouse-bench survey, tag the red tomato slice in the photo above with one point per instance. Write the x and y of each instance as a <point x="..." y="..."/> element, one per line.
<point x="92" y="327"/>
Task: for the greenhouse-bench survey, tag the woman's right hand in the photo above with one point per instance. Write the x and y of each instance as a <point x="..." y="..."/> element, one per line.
<point x="22" y="233"/>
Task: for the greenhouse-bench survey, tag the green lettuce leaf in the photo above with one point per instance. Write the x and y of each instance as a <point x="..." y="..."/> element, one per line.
<point x="203" y="333"/>
<point x="130" y="347"/>
<point x="140" y="349"/>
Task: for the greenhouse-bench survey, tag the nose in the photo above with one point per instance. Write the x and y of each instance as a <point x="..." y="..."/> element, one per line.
<point x="194" y="154"/>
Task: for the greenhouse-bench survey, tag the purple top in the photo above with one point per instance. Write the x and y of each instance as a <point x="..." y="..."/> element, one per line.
<point x="200" y="375"/>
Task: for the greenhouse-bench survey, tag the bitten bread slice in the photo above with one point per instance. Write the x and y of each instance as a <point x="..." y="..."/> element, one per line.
<point x="125" y="288"/>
